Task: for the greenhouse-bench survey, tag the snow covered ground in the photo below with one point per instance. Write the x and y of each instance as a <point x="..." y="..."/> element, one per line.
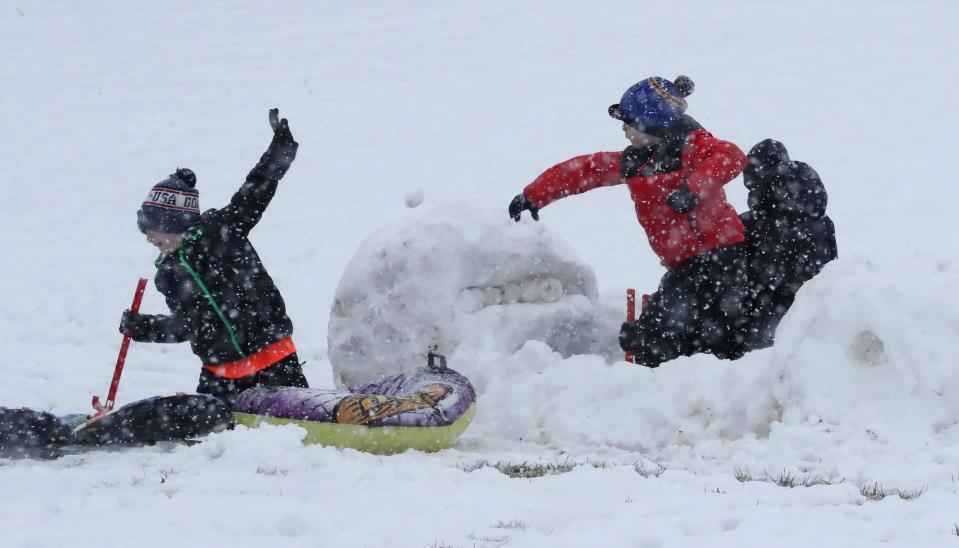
<point x="459" y="106"/>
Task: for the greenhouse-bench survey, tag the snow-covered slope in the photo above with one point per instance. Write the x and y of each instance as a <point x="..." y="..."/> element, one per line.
<point x="449" y="103"/>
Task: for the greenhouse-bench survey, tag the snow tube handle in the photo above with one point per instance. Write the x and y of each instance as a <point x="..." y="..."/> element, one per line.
<point x="431" y="362"/>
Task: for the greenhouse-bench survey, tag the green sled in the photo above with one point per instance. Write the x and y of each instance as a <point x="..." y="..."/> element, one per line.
<point x="380" y="440"/>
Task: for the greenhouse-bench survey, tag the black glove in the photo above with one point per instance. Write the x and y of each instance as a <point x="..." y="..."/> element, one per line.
<point x="128" y="321"/>
<point x="629" y="336"/>
<point x="521" y="203"/>
<point x="629" y="341"/>
<point x="682" y="200"/>
<point x="632" y="159"/>
<point x="279" y="155"/>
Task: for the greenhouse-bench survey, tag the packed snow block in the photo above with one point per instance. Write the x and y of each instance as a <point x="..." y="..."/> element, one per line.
<point x="426" y="409"/>
<point x="462" y="278"/>
<point x="865" y="347"/>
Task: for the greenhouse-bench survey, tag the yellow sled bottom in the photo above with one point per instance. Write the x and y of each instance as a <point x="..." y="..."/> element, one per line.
<point x="382" y="440"/>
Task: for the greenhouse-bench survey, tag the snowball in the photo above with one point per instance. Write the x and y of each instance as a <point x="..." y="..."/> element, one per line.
<point x="414" y="198"/>
<point x="291" y="525"/>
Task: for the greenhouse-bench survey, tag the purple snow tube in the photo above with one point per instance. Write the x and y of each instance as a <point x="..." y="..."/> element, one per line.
<point x="429" y="396"/>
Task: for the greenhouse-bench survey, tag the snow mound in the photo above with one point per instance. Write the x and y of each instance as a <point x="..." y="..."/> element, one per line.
<point x="856" y="361"/>
<point x="464" y="279"/>
<point x="868" y="347"/>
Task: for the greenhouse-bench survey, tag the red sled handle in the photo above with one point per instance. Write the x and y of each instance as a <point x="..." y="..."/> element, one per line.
<point x="630" y="314"/>
<point x="121" y="358"/>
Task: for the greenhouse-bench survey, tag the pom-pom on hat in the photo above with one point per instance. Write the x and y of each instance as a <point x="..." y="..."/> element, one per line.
<point x="653" y="103"/>
<point x="172" y="205"/>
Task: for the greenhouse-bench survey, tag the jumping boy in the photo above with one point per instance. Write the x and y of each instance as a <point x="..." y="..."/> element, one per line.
<point x="675" y="171"/>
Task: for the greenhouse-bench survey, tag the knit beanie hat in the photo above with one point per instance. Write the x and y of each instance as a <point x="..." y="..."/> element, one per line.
<point x="172" y="206"/>
<point x="654" y="103"/>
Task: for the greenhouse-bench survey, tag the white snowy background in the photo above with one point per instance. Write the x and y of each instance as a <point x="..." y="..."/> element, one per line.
<point x="460" y="105"/>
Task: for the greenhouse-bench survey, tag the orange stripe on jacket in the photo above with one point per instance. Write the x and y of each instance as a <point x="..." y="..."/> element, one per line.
<point x="255" y="363"/>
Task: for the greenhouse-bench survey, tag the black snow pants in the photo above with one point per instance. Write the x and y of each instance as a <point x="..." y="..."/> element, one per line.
<point x="286" y="372"/>
<point x="700" y="306"/>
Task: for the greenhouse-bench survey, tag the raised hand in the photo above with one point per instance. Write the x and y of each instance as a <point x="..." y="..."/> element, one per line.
<point x="282" y="150"/>
<point x="275" y="119"/>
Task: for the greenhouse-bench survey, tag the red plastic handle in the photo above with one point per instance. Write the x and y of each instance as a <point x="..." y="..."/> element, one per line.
<point x="121" y="358"/>
<point x="630" y="314"/>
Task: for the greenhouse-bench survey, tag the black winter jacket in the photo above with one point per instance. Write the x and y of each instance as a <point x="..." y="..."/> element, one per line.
<point x="789" y="237"/>
<point x="220" y="295"/>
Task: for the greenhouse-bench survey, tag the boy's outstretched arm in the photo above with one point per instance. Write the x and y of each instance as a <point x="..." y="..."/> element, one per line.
<point x="574" y="176"/>
<point x="161" y="328"/>
<point x="247" y="205"/>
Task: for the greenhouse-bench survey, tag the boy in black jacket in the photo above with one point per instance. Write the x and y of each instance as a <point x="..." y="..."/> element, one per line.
<point x="221" y="297"/>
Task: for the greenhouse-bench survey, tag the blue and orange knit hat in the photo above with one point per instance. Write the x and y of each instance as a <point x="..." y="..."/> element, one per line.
<point x="172" y="206"/>
<point x="654" y="103"/>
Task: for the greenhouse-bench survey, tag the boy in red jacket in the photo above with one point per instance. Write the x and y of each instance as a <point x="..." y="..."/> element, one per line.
<point x="675" y="171"/>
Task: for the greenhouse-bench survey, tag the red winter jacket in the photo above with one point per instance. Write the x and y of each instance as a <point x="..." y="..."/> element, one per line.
<point x="707" y="164"/>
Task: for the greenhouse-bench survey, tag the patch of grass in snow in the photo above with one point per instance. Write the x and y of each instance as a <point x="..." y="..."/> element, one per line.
<point x="512" y="524"/>
<point x="164" y="474"/>
<point x="275" y="471"/>
<point x="539" y="469"/>
<point x="444" y="544"/>
<point x="786" y="478"/>
<point x="878" y="492"/>
<point x="742" y="474"/>
<point x="649" y="468"/>
<point x="522" y="469"/>
<point x="955" y="529"/>
<point x="497" y="541"/>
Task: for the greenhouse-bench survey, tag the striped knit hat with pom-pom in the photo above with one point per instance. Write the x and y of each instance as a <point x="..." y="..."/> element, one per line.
<point x="172" y="205"/>
<point x="653" y="103"/>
